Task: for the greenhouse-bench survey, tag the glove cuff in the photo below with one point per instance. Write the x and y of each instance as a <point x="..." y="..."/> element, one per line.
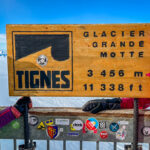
<point x="30" y="105"/>
<point x="15" y="112"/>
<point x="127" y="103"/>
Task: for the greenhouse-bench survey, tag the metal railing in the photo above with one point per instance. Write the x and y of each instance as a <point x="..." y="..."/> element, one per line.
<point x="8" y="144"/>
<point x="10" y="138"/>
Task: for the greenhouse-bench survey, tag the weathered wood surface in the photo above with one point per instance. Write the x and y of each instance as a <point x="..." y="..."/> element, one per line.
<point x="80" y="60"/>
<point x="72" y="111"/>
<point x="56" y="111"/>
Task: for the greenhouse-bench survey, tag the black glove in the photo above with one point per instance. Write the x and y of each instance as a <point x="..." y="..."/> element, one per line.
<point x="95" y="106"/>
<point x="20" y="104"/>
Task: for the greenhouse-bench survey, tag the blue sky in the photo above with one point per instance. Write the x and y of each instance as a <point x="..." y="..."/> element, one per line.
<point x="71" y="12"/>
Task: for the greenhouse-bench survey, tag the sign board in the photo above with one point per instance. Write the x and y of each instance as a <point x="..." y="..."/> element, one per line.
<point x="79" y="60"/>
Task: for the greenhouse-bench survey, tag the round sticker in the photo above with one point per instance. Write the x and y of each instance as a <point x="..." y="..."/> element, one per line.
<point x="42" y="60"/>
<point x="146" y="131"/>
<point x="15" y="124"/>
<point x="103" y="134"/>
<point x="92" y="124"/>
<point x="77" y="125"/>
<point x="114" y="127"/>
<point x="33" y="120"/>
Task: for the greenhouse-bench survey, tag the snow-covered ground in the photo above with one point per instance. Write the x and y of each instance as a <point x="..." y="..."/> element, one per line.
<point x="5" y="100"/>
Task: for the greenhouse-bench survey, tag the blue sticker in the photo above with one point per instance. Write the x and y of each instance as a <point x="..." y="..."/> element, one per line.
<point x="73" y="134"/>
<point x="92" y="124"/>
<point x="114" y="127"/>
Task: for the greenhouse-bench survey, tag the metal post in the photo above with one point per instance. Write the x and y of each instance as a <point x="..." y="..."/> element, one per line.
<point x="64" y="144"/>
<point x="15" y="144"/>
<point x="80" y="145"/>
<point x="135" y="125"/>
<point x="48" y="148"/>
<point x="29" y="145"/>
<point x="97" y="145"/>
<point x="26" y="128"/>
<point x="115" y="145"/>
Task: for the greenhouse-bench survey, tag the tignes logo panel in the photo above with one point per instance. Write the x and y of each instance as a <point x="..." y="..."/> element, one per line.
<point x="79" y="60"/>
<point x="42" y="61"/>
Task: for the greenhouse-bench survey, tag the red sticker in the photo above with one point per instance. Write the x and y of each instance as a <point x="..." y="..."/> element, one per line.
<point x="103" y="134"/>
<point x="84" y="128"/>
<point x="92" y="124"/>
<point x="95" y="131"/>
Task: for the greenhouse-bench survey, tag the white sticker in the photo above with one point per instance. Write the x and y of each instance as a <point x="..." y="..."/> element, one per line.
<point x="62" y="121"/>
<point x="121" y="133"/>
<point x="123" y="122"/>
<point x="61" y="130"/>
<point x="77" y="125"/>
<point x="146" y="131"/>
<point x="42" y="60"/>
<point x="33" y="120"/>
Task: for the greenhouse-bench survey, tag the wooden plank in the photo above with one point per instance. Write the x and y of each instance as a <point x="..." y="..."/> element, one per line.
<point x="70" y="111"/>
<point x="79" y="60"/>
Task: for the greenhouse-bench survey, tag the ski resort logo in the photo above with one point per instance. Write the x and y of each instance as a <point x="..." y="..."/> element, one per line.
<point x="92" y="124"/>
<point x="43" y="61"/>
<point x="76" y="125"/>
<point x="52" y="131"/>
<point x="102" y="124"/>
<point x="103" y="134"/>
<point x="33" y="120"/>
<point x="15" y="124"/>
<point x="114" y="127"/>
<point x="146" y="131"/>
<point x="60" y="121"/>
<point x="73" y="134"/>
<point x="121" y="133"/>
<point x="49" y="122"/>
<point x="42" y="125"/>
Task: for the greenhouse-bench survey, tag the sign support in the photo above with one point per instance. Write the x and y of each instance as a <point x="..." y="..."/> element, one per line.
<point x="28" y="145"/>
<point x="135" y="125"/>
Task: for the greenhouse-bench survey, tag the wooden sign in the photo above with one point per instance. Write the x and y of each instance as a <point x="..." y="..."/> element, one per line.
<point x="79" y="60"/>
